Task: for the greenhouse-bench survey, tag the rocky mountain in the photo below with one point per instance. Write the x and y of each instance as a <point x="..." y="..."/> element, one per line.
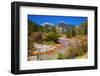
<point x="65" y="26"/>
<point x="61" y="25"/>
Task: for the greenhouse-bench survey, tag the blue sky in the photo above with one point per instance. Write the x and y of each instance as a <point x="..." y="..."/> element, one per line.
<point x="41" y="19"/>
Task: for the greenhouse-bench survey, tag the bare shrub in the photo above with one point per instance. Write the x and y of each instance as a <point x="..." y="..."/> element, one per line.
<point x="78" y="48"/>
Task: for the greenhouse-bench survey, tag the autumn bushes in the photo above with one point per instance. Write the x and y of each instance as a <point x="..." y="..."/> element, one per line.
<point x="77" y="48"/>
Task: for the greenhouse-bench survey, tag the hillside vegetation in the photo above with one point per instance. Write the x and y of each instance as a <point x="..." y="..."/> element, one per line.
<point x="71" y="39"/>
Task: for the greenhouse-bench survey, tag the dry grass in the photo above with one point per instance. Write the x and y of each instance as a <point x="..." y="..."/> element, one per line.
<point x="77" y="48"/>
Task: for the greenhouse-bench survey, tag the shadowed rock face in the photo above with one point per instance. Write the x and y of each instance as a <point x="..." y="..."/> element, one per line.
<point x="37" y="36"/>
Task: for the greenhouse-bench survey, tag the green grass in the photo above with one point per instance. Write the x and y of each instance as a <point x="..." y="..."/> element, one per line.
<point x="61" y="56"/>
